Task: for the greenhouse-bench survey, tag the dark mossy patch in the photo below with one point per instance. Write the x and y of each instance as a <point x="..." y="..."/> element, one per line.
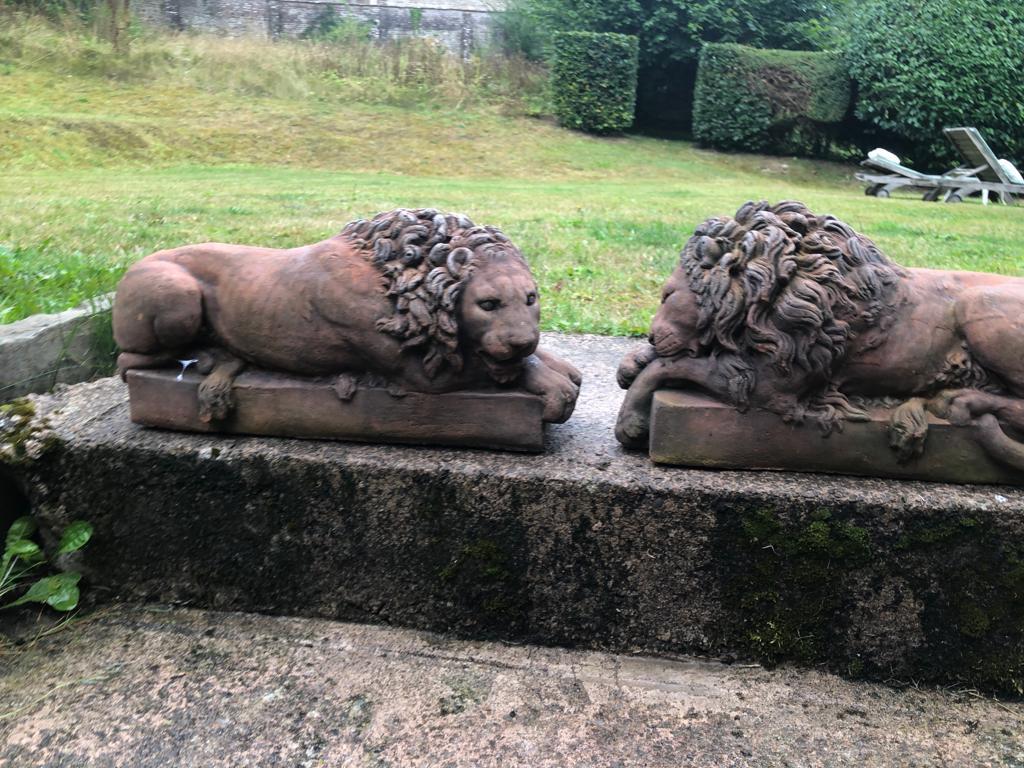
<point x="483" y="576"/>
<point x="969" y="576"/>
<point x="785" y="577"/>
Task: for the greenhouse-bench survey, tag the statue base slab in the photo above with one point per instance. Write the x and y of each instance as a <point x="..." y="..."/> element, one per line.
<point x="279" y="405"/>
<point x="693" y="430"/>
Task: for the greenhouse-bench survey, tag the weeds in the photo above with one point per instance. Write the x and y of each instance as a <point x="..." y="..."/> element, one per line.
<point x="23" y="559"/>
<point x="334" y="67"/>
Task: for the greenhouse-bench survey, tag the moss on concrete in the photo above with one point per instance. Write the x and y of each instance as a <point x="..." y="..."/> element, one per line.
<point x="483" y="573"/>
<point x="789" y="581"/>
<point x="23" y="437"/>
<point x="789" y="576"/>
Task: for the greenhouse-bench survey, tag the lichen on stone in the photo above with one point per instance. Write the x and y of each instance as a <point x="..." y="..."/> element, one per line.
<point x="23" y="436"/>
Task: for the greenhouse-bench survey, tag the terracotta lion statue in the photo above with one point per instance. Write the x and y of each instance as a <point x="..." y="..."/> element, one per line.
<point x="425" y="300"/>
<point x="797" y="314"/>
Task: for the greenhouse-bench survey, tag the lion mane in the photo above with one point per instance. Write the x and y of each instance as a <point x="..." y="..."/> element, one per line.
<point x="781" y="282"/>
<point x="426" y="258"/>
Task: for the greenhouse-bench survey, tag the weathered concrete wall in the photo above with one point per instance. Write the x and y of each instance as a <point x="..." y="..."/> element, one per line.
<point x="461" y="25"/>
<point x="42" y="351"/>
<point x="587" y="544"/>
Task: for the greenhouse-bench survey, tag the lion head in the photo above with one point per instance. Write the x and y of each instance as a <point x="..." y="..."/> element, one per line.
<point x="456" y="288"/>
<point x="776" y="283"/>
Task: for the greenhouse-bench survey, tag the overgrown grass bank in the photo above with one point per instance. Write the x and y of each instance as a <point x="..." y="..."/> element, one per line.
<point x="99" y="168"/>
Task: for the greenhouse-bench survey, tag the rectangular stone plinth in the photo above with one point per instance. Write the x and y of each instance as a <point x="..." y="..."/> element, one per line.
<point x="285" y="406"/>
<point x="692" y="430"/>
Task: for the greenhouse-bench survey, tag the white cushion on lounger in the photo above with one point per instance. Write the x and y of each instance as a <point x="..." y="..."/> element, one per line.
<point x="883" y="154"/>
<point x="1011" y="171"/>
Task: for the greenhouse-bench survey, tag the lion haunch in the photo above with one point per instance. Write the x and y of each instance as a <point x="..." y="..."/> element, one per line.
<point x="426" y="300"/>
<point x="794" y="313"/>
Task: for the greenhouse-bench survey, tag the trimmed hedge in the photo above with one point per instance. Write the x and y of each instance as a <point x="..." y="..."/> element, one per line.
<point x="923" y="65"/>
<point x="593" y="78"/>
<point x="769" y="100"/>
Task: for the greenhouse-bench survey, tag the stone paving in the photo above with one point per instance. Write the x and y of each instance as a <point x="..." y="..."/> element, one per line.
<point x="142" y="686"/>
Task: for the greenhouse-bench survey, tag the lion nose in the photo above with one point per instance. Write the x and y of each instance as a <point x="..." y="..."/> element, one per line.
<point x="523" y="344"/>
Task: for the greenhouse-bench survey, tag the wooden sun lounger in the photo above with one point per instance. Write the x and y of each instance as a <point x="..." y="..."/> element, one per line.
<point x="884" y="177"/>
<point x="981" y="171"/>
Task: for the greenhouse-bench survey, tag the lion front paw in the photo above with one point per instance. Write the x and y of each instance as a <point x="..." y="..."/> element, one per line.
<point x="632" y="428"/>
<point x="557" y="390"/>
<point x="635" y="361"/>
<point x="560" y="399"/>
<point x="215" y="398"/>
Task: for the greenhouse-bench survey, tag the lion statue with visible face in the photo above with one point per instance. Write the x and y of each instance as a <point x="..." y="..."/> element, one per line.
<point x="425" y="300"/>
<point x="797" y="314"/>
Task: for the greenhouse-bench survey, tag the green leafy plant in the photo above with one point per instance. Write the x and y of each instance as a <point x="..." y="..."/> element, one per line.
<point x="922" y="65"/>
<point x="416" y="19"/>
<point x="331" y="27"/>
<point x="23" y="558"/>
<point x="593" y="79"/>
<point x="769" y="100"/>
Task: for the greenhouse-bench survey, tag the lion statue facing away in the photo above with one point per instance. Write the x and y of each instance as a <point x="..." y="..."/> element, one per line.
<point x="425" y="300"/>
<point x="797" y="314"/>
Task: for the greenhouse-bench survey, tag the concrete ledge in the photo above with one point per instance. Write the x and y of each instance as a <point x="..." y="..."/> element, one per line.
<point x="41" y="351"/>
<point x="586" y="544"/>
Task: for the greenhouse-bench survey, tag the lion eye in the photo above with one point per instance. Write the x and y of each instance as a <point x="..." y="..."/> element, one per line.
<point x="531" y="299"/>
<point x="488" y="305"/>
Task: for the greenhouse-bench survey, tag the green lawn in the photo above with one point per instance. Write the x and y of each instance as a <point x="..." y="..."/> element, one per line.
<point x="96" y="172"/>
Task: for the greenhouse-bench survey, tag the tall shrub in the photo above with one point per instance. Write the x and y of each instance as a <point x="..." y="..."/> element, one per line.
<point x="671" y="32"/>
<point x="593" y="80"/>
<point x="769" y="100"/>
<point x="922" y="65"/>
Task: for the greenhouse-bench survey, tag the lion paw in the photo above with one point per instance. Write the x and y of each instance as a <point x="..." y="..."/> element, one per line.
<point x="561" y="366"/>
<point x="908" y="430"/>
<point x="556" y="389"/>
<point x="959" y="407"/>
<point x="560" y="399"/>
<point x="215" y="398"/>
<point x="633" y="363"/>
<point x="632" y="429"/>
<point x="345" y="386"/>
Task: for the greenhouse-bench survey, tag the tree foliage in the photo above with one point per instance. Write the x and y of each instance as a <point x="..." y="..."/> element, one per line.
<point x="922" y="65"/>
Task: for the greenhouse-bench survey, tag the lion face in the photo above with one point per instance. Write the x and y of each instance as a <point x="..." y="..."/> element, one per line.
<point x="674" y="328"/>
<point x="499" y="315"/>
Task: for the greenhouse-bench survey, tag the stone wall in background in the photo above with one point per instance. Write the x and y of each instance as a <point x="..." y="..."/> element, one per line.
<point x="461" y="25"/>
